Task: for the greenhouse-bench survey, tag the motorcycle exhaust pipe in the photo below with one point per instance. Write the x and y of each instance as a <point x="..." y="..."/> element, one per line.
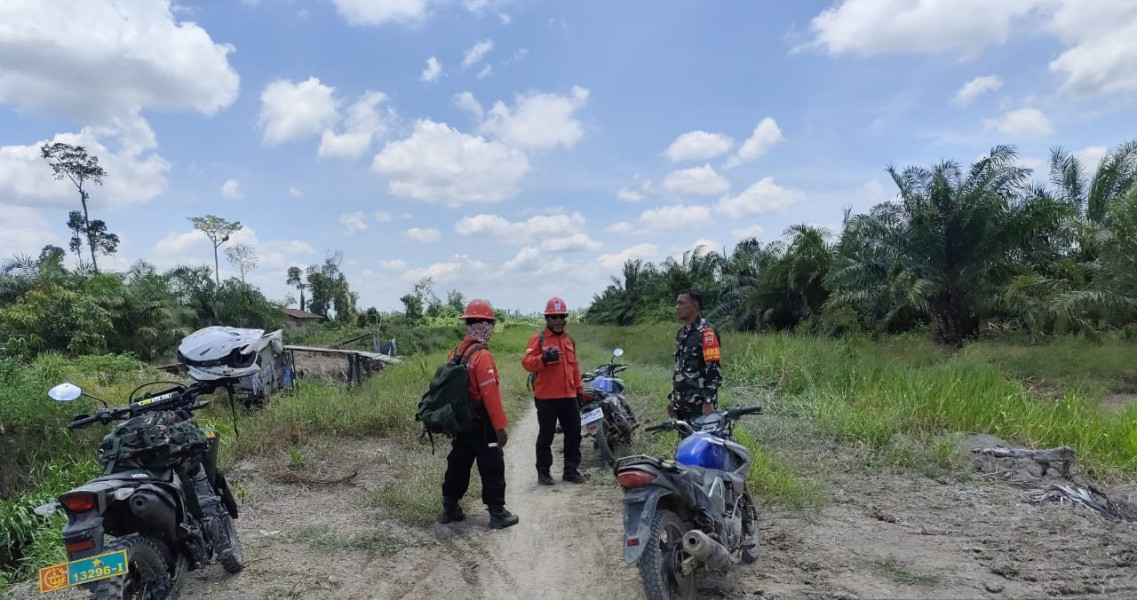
<point x="705" y="550"/>
<point x="153" y="511"/>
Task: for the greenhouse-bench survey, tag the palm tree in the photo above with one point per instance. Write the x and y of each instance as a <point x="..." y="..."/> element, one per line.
<point x="950" y="243"/>
<point x="1114" y="176"/>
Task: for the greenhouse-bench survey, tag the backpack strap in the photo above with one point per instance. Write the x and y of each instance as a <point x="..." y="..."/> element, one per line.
<point x="471" y="350"/>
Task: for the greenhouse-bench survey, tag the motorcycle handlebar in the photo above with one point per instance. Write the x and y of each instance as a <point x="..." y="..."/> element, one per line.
<point x="748" y="410"/>
<point x="103" y="415"/>
<point x="185" y="396"/>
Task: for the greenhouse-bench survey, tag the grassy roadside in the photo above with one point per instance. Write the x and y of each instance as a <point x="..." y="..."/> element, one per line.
<point x="905" y="397"/>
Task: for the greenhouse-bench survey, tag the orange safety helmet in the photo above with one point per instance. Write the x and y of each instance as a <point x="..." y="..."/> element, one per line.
<point x="556" y="306"/>
<point x="478" y="309"/>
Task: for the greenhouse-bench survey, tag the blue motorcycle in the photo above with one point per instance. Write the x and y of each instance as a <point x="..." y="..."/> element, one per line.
<point x="692" y="514"/>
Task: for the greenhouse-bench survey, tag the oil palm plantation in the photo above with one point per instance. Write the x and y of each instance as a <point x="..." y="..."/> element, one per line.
<point x="949" y="244"/>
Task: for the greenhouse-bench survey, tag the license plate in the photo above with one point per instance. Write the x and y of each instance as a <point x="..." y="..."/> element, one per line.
<point x="86" y="570"/>
<point x="593" y="415"/>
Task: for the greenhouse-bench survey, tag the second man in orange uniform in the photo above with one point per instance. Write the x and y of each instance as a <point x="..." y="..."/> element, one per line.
<point x="557" y="388"/>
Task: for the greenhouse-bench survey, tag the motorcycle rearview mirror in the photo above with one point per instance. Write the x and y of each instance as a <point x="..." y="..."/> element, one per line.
<point x="69" y="392"/>
<point x="618" y="352"/>
<point x="65" y="392"/>
<point x="46" y="510"/>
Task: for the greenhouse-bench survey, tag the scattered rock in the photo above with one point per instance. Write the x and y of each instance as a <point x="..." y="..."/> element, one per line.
<point x="880" y="515"/>
<point x="1005" y="570"/>
<point x="993" y="587"/>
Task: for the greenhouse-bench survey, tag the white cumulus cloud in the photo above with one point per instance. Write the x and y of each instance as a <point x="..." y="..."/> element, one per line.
<point x="874" y="192"/>
<point x="1023" y="123"/>
<point x="699" y="181"/>
<point x="476" y="53"/>
<point x="295" y="192"/>
<point x="379" y="12"/>
<point x="23" y="230"/>
<point x="292" y="111"/>
<point x="467" y="102"/>
<point x="193" y="248"/>
<point x="753" y="231"/>
<point x="640" y="251"/>
<point x="232" y="189"/>
<point x="425" y="236"/>
<point x="1102" y="55"/>
<point x="93" y="60"/>
<point x="552" y="233"/>
<point x="536" y="121"/>
<point x="765" y="136"/>
<point x="698" y="145"/>
<point x="440" y="164"/>
<point x="762" y="197"/>
<point x="875" y="27"/>
<point x="353" y="223"/>
<point x="135" y="171"/>
<point x="666" y="218"/>
<point x="976" y="88"/>
<point x="361" y="125"/>
<point x="432" y="71"/>
<point x="629" y="195"/>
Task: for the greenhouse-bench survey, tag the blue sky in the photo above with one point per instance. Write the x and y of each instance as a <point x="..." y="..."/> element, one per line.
<point x="516" y="149"/>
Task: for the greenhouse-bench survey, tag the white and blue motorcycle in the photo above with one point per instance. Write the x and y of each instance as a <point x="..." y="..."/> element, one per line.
<point x="691" y="514"/>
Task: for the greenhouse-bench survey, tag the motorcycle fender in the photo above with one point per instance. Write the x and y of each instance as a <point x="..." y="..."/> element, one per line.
<point x="226" y="495"/>
<point x="639" y="509"/>
<point x="84" y="526"/>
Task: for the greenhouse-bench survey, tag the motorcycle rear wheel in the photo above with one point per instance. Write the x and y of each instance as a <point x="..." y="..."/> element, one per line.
<point x="148" y="572"/>
<point x="753" y="534"/>
<point x="663" y="553"/>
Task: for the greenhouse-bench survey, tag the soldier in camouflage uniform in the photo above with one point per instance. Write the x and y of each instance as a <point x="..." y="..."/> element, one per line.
<point x="697" y="354"/>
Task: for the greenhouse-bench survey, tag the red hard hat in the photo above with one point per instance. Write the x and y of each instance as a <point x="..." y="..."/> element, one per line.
<point x="478" y="309"/>
<point x="556" y="306"/>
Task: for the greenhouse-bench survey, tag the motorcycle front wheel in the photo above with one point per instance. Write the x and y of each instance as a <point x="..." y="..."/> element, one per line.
<point x="230" y="556"/>
<point x="663" y="554"/>
<point x="148" y="572"/>
<point x="603" y="438"/>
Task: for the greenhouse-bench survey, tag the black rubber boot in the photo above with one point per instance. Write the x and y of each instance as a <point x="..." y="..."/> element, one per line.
<point x="573" y="477"/>
<point x="501" y="518"/>
<point x="451" y="511"/>
<point x="544" y="478"/>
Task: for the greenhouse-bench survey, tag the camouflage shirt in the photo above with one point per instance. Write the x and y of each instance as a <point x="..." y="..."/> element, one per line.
<point x="697" y="371"/>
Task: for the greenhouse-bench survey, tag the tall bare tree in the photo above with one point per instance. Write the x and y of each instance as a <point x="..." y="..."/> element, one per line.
<point x="218" y="231"/>
<point x="73" y="163"/>
<point x="243" y="258"/>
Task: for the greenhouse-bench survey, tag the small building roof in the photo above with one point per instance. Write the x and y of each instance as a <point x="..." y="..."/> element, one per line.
<point x="300" y="314"/>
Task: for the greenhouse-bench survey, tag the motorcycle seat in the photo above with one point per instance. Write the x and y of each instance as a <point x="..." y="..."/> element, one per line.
<point x="165" y="475"/>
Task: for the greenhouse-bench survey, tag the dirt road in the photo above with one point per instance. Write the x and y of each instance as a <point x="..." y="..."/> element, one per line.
<point x="299" y="540"/>
<point x="883" y="535"/>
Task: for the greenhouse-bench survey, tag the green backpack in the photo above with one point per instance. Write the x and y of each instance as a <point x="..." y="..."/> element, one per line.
<point x="446" y="408"/>
<point x="156" y="440"/>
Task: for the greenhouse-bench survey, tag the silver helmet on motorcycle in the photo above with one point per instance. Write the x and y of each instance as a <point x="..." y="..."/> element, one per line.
<point x="215" y="353"/>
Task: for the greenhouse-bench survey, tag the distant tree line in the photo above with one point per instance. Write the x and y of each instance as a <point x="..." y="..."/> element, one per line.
<point x="958" y="247"/>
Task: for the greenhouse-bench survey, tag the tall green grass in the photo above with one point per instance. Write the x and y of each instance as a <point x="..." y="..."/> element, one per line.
<point x="870" y="392"/>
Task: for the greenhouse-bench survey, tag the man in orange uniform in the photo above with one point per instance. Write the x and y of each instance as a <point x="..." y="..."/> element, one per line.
<point x="484" y="444"/>
<point x="551" y="355"/>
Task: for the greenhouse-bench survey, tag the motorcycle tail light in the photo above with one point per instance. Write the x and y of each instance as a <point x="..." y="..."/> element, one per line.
<point x="635" y="479"/>
<point x="78" y="502"/>
<point x="80" y="545"/>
